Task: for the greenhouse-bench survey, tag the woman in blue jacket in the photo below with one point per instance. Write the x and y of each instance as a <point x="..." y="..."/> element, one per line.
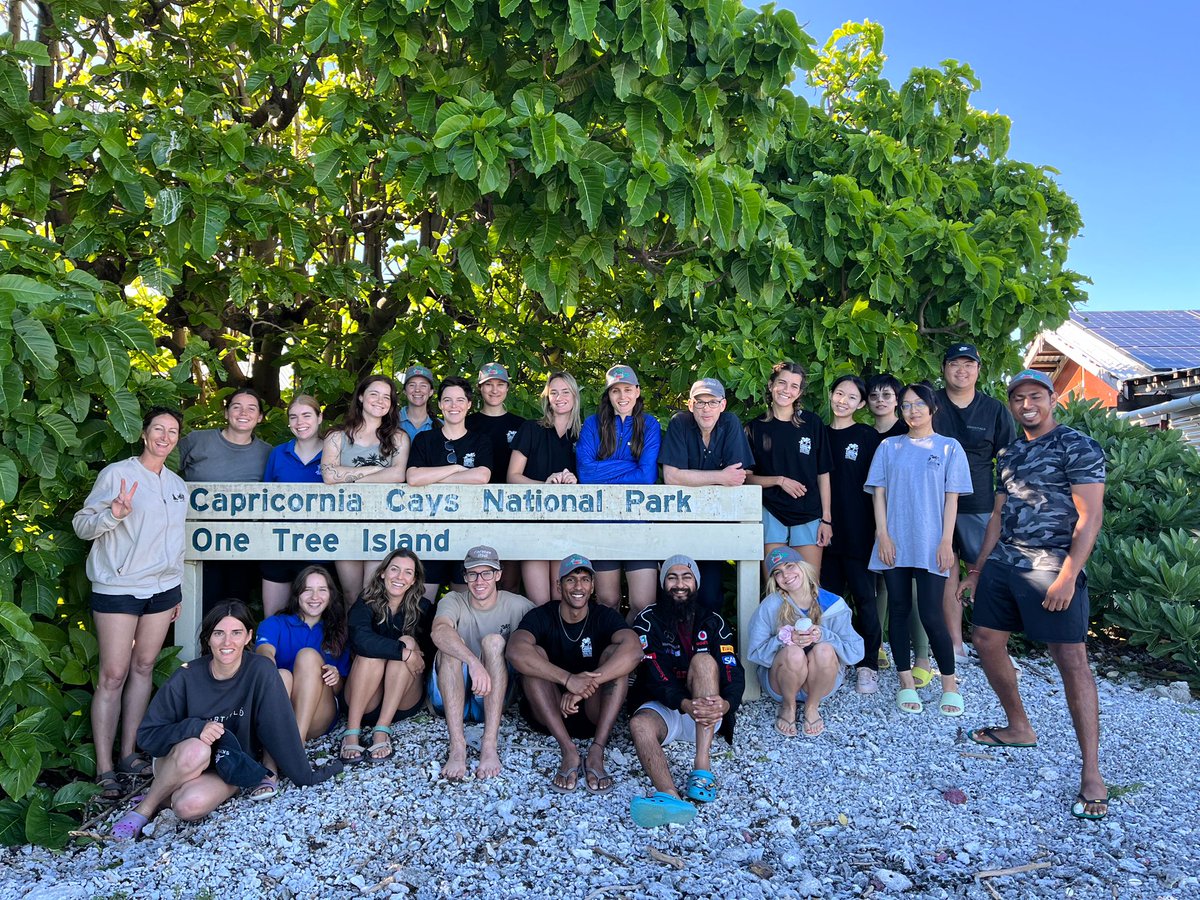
<point x="619" y="445"/>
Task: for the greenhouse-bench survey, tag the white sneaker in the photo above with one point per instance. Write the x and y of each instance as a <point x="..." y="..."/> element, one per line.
<point x="868" y="681"/>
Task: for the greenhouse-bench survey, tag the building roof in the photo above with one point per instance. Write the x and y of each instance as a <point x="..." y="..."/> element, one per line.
<point x="1118" y="346"/>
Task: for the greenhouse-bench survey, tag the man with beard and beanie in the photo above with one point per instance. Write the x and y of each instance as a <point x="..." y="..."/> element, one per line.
<point x="575" y="657"/>
<point x="689" y="687"/>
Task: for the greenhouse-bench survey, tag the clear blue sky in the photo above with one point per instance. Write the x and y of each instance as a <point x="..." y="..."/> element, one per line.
<point x="1105" y="93"/>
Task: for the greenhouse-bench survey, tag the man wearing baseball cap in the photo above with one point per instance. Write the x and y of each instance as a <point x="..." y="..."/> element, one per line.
<point x="574" y="658"/>
<point x="470" y="678"/>
<point x="705" y="445"/>
<point x="1029" y="575"/>
<point x="418" y="388"/>
<point x="689" y="687"/>
<point x="982" y="426"/>
<point x="495" y="421"/>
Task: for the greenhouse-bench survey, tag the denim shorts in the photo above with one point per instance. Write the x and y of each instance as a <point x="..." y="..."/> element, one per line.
<point x="775" y="532"/>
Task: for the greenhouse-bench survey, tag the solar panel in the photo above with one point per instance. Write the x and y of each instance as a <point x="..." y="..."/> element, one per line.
<point x="1161" y="339"/>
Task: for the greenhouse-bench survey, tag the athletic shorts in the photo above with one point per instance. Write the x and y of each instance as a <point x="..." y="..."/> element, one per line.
<point x="629" y="565"/>
<point x="472" y="705"/>
<point x="969" y="529"/>
<point x="1010" y="599"/>
<point x="137" y="606"/>
<point x="802" y="535"/>
<point x="680" y="726"/>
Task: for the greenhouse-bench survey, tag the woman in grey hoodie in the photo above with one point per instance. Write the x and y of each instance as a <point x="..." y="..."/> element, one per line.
<point x="134" y="517"/>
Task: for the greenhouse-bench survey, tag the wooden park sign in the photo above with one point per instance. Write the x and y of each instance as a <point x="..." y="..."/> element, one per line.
<point x="318" y="522"/>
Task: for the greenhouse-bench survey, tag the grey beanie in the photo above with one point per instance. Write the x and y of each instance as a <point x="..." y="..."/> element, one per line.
<point x="677" y="560"/>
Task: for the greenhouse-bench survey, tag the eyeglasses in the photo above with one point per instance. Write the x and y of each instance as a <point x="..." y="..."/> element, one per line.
<point x="706" y="404"/>
<point x="915" y="404"/>
<point x="451" y="456"/>
<point x="485" y="574"/>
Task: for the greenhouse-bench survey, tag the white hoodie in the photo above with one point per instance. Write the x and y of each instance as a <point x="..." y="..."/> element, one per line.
<point x="141" y="554"/>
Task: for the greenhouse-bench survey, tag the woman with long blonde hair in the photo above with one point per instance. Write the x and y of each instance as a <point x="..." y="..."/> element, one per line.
<point x="800" y="637"/>
<point x="543" y="452"/>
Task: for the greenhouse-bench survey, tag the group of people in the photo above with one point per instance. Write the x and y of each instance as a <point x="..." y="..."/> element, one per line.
<point x="851" y="514"/>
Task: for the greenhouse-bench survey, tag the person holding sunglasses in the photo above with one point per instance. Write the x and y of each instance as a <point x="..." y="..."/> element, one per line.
<point x="471" y="680"/>
<point x="915" y="481"/>
<point x="449" y="454"/>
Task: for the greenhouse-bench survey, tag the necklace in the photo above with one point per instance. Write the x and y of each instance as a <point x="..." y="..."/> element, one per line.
<point x="582" y="626"/>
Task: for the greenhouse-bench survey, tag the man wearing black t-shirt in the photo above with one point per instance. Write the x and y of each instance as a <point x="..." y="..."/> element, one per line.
<point x="983" y="426"/>
<point x="575" y="657"/>
<point x="449" y="454"/>
<point x="705" y="444"/>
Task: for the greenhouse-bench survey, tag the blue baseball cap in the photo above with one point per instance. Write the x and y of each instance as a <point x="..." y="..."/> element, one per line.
<point x="1040" y="378"/>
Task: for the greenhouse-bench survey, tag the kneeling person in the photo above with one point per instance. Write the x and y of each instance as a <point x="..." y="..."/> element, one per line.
<point x="690" y="685"/>
<point x="470" y="631"/>
<point x="575" y="657"/>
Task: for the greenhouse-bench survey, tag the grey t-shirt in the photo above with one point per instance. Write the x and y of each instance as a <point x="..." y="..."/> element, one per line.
<point x="207" y="456"/>
<point x="917" y="473"/>
<point x="472" y="624"/>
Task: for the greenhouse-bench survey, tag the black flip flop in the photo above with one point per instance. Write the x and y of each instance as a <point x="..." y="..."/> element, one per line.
<point x="994" y="740"/>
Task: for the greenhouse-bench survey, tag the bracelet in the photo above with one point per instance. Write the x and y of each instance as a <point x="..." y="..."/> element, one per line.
<point x="826" y="522"/>
<point x="971" y="572"/>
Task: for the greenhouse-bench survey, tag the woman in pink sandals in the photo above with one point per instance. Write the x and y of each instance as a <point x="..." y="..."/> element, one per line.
<point x="209" y="723"/>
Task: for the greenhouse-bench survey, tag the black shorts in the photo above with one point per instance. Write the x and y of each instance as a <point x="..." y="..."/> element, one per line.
<point x="579" y="726"/>
<point x="443" y="571"/>
<point x="629" y="565"/>
<point x="137" y="606"/>
<point x="1010" y="599"/>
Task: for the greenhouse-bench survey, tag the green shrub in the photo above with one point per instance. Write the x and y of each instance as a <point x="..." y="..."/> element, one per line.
<point x="1144" y="576"/>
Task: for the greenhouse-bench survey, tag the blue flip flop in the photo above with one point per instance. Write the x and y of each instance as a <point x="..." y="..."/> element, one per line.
<point x="660" y="809"/>
<point x="702" y="786"/>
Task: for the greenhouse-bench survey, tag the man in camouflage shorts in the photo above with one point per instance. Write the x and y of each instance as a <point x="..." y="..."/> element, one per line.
<point x="1029" y="574"/>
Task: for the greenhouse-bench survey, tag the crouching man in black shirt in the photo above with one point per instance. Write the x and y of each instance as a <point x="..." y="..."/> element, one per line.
<point x="575" y="657"/>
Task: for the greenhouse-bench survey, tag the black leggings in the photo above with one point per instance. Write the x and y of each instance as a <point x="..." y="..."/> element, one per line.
<point x="847" y="578"/>
<point x="929" y="602"/>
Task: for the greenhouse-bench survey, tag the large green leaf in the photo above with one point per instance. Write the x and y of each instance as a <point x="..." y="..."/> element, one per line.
<point x="26" y="291"/>
<point x="112" y="360"/>
<point x="38" y="597"/>
<point x="8" y="477"/>
<point x="61" y="428"/>
<point x="589" y="179"/>
<point x="168" y="204"/>
<point x="124" y="414"/>
<point x="34" y="344"/>
<point x="583" y="17"/>
<point x="211" y="216"/>
<point x="12" y="389"/>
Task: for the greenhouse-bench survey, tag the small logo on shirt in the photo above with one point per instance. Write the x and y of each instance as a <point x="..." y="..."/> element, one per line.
<point x="852" y="451"/>
<point x="511" y="435"/>
<point x="505" y="629"/>
<point x="702" y="636"/>
<point x="806" y="446"/>
<point x="935" y="461"/>
<point x="585" y="648"/>
<point x="644" y="641"/>
<point x="469" y="460"/>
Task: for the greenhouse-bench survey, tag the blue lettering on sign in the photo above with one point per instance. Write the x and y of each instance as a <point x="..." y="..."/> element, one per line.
<point x="421" y="504"/>
<point x="205" y="540"/>
<point x="638" y="501"/>
<point x="269" y="499"/>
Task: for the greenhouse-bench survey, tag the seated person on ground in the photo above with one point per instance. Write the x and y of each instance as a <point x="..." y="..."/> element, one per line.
<point x="689" y="686"/>
<point x="307" y="643"/>
<point x="575" y="657"/>
<point x="800" y="637"/>
<point x="470" y="632"/>
<point x="389" y="632"/>
<point x="209" y="722"/>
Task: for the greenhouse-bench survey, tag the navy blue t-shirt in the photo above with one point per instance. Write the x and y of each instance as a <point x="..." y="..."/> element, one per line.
<point x="683" y="447"/>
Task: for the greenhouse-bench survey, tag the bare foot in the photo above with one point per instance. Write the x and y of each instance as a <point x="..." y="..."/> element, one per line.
<point x="489" y="763"/>
<point x="455" y="768"/>
<point x="567" y="775"/>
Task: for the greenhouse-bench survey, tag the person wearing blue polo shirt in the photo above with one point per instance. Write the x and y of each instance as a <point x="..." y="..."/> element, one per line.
<point x="418" y="388"/>
<point x="705" y="445"/>
<point x="296" y="462"/>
